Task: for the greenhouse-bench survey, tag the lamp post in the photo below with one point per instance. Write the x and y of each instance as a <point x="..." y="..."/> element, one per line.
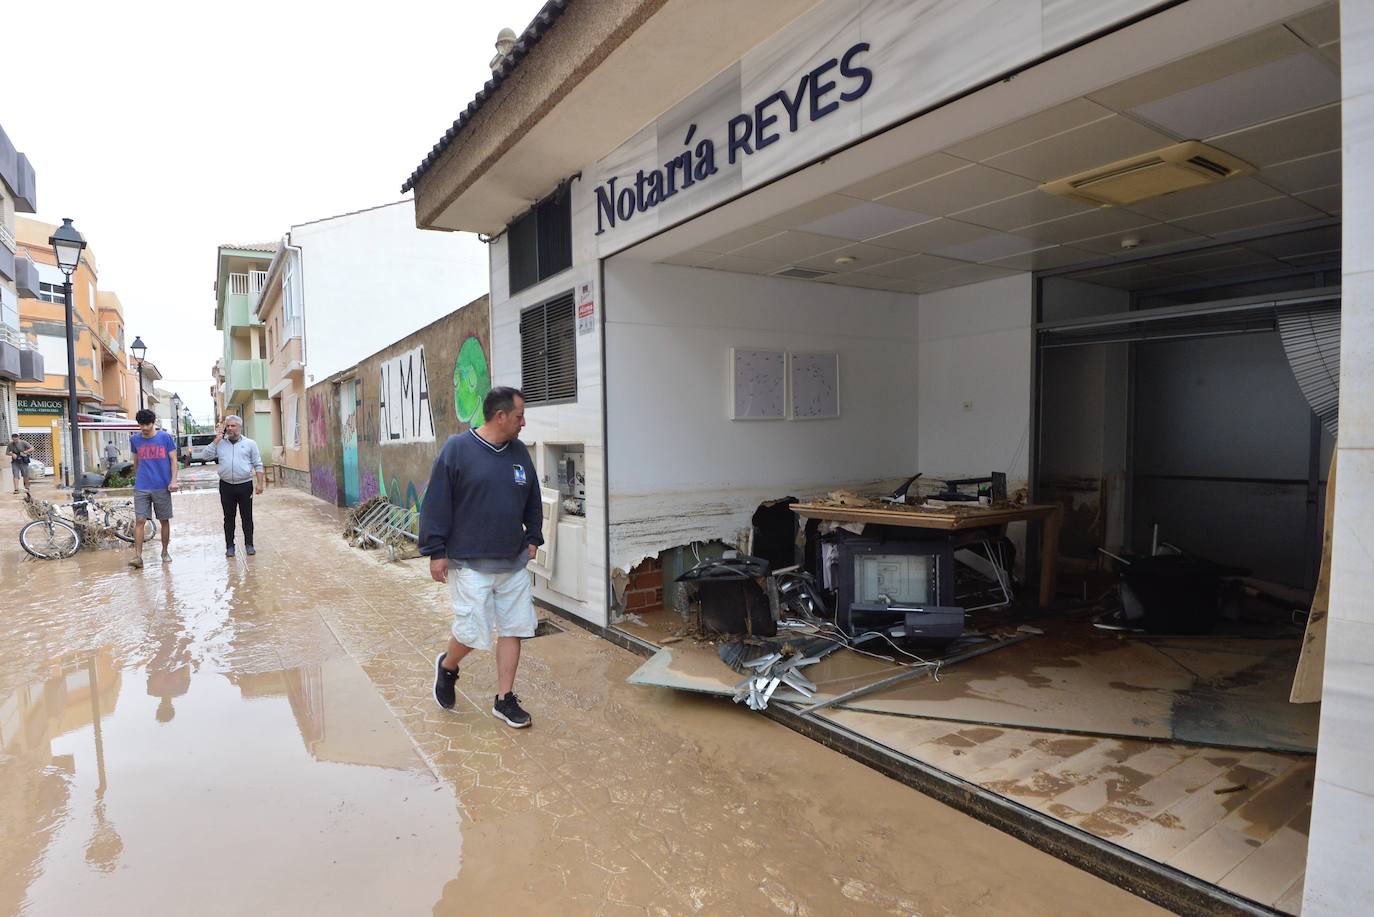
<point x="176" y="420"/>
<point x="67" y="244"/>
<point x="139" y="350"/>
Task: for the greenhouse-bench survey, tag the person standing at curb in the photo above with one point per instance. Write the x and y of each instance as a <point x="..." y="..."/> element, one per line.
<point x="18" y="451"/>
<point x="480" y="524"/>
<point x="240" y="477"/>
<point x="155" y="478"/>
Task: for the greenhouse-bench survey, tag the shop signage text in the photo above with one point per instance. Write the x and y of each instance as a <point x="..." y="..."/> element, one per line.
<point x="818" y="94"/>
<point x="33" y="404"/>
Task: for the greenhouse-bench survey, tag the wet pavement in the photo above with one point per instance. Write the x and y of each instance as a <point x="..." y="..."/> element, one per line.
<point x="257" y="734"/>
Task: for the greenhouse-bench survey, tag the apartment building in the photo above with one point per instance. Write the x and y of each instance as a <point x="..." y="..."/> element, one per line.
<point x="18" y="361"/>
<point x="240" y="273"/>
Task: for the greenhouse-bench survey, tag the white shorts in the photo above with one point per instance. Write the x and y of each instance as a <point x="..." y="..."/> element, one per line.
<point x="482" y="601"/>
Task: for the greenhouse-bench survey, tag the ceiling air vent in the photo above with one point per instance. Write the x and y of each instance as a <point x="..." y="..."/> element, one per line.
<point x="1177" y="168"/>
<point x="801" y="273"/>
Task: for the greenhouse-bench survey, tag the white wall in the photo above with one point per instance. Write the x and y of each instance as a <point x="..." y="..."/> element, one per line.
<point x="572" y="423"/>
<point x="1339" y="880"/>
<point x="680" y="469"/>
<point x="371" y="278"/>
<point x="975" y="374"/>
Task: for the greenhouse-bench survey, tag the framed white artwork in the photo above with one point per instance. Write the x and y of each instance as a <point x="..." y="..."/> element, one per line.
<point x="814" y="385"/>
<point x="758" y="384"/>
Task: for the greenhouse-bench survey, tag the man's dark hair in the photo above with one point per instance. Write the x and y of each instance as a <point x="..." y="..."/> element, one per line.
<point x="501" y="398"/>
<point x="145" y="416"/>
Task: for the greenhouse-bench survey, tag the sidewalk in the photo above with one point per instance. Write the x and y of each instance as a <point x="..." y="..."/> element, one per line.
<point x="267" y="741"/>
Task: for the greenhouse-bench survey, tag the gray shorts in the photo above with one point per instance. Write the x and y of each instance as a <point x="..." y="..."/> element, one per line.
<point x="21" y="470"/>
<point x="148" y="502"/>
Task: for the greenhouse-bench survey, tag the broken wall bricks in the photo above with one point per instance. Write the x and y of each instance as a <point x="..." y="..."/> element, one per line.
<point x="645" y="588"/>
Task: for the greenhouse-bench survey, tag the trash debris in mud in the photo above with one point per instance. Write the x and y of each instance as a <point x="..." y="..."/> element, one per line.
<point x="379" y="523"/>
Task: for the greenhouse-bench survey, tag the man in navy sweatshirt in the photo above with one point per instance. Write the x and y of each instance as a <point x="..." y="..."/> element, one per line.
<point x="480" y="524"/>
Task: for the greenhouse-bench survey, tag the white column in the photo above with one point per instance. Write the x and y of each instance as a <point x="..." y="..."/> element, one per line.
<point x="1340" y="879"/>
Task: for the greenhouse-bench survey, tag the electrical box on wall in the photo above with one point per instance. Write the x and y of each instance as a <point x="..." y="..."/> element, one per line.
<point x="565" y="469"/>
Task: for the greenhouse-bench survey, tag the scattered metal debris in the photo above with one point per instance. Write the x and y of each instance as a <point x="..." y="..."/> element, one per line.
<point x="381" y="523"/>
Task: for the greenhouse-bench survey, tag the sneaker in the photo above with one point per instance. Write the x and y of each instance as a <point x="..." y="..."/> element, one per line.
<point x="508" y="708"/>
<point x="229" y="551"/>
<point x="445" y="694"/>
<point x="250" y="550"/>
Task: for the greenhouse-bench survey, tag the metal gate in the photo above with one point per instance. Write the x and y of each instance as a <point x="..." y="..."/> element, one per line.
<point x="41" y="440"/>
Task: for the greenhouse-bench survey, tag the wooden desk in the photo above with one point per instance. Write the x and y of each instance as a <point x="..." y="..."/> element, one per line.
<point x="1048" y="515"/>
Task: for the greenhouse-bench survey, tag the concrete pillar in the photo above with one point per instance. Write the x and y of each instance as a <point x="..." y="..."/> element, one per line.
<point x="1339" y="877"/>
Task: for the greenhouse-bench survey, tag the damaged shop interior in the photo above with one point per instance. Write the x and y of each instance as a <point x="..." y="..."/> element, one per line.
<point x="1009" y="452"/>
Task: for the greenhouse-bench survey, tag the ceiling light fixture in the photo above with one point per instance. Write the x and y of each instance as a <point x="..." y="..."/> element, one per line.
<point x="846" y="259"/>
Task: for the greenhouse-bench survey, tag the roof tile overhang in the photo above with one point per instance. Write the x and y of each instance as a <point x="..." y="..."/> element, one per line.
<point x="598" y="73"/>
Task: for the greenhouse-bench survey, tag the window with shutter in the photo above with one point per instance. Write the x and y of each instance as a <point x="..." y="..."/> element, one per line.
<point x="539" y="243"/>
<point x="548" y="351"/>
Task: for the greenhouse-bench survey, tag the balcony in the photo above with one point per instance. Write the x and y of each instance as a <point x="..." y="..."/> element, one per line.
<point x="245" y="377"/>
<point x="26" y="276"/>
<point x="241" y="295"/>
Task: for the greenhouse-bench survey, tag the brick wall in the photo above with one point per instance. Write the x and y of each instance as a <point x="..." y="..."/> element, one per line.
<point x="645" y="590"/>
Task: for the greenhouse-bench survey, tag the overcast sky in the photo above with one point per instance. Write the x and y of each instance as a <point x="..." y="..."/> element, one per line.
<point x="166" y="128"/>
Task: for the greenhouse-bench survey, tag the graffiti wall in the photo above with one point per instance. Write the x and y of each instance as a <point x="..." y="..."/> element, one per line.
<point x="412" y="396"/>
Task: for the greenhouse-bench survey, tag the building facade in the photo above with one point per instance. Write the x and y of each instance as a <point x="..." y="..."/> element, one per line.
<point x="1113" y="251"/>
<point x="320" y="309"/>
<point x="19" y="362"/>
<point x="100" y="360"/>
<point x="241" y="271"/>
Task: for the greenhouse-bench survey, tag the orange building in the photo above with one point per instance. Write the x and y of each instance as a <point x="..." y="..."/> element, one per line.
<point x="104" y="380"/>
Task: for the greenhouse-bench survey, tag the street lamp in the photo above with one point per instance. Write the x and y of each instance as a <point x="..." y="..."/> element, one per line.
<point x="176" y="420"/>
<point x="67" y="244"/>
<point x="139" y="350"/>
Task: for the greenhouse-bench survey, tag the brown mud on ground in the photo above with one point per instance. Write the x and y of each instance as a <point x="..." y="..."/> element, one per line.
<point x="257" y="735"/>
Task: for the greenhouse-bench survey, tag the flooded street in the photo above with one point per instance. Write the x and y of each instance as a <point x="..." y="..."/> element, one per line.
<point x="257" y="735"/>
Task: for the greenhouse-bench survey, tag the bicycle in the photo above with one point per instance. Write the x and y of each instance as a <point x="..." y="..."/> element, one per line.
<point x="58" y="530"/>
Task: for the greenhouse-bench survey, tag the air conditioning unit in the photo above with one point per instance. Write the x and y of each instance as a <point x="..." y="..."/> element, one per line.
<point x="1177" y="168"/>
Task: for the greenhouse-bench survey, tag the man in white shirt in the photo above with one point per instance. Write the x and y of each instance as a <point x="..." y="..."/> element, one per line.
<point x="240" y="477"/>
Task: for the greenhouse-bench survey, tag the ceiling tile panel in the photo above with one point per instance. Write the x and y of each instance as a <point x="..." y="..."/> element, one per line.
<point x="989" y="247"/>
<point x="1306" y="242"/>
<point x="790" y="247"/>
<point x="1319" y="27"/>
<point x="812" y="210"/>
<point x="731" y="241"/>
<point x="1085" y="225"/>
<point x="1023" y="210"/>
<point x="1095" y="144"/>
<point x="740" y="265"/>
<point x="694" y="258"/>
<point x="1147" y="237"/>
<point x="1205" y="67"/>
<point x="1249" y="216"/>
<point x="927" y="236"/>
<point x="1230" y="193"/>
<point x="1273" y="90"/>
<point x="1046" y="259"/>
<point x="1327" y="200"/>
<point x="968" y="187"/>
<point x="912" y="173"/>
<point x="1301" y="135"/>
<point x="863" y="281"/>
<point x="865" y="257"/>
<point x="912" y="267"/>
<point x="1319" y="171"/>
<point x="969" y="273"/>
<point x="865" y="221"/>
<point x="1028" y="130"/>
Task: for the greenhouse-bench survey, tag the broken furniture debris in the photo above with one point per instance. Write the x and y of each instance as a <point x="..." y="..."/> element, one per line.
<point x="731" y="596"/>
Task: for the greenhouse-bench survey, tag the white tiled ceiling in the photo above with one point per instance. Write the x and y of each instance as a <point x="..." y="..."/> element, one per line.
<point x="975" y="211"/>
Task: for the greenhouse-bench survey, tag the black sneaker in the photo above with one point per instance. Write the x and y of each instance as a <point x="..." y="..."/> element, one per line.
<point x="229" y="551"/>
<point x="508" y="708"/>
<point x="445" y="695"/>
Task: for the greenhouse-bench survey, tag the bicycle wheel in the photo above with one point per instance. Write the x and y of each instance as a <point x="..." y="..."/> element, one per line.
<point x="122" y="523"/>
<point x="50" y="539"/>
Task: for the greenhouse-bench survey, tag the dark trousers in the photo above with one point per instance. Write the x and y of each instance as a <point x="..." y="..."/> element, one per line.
<point x="237" y="497"/>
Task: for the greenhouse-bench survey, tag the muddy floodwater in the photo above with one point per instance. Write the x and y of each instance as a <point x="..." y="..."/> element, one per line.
<point x="256" y="735"/>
